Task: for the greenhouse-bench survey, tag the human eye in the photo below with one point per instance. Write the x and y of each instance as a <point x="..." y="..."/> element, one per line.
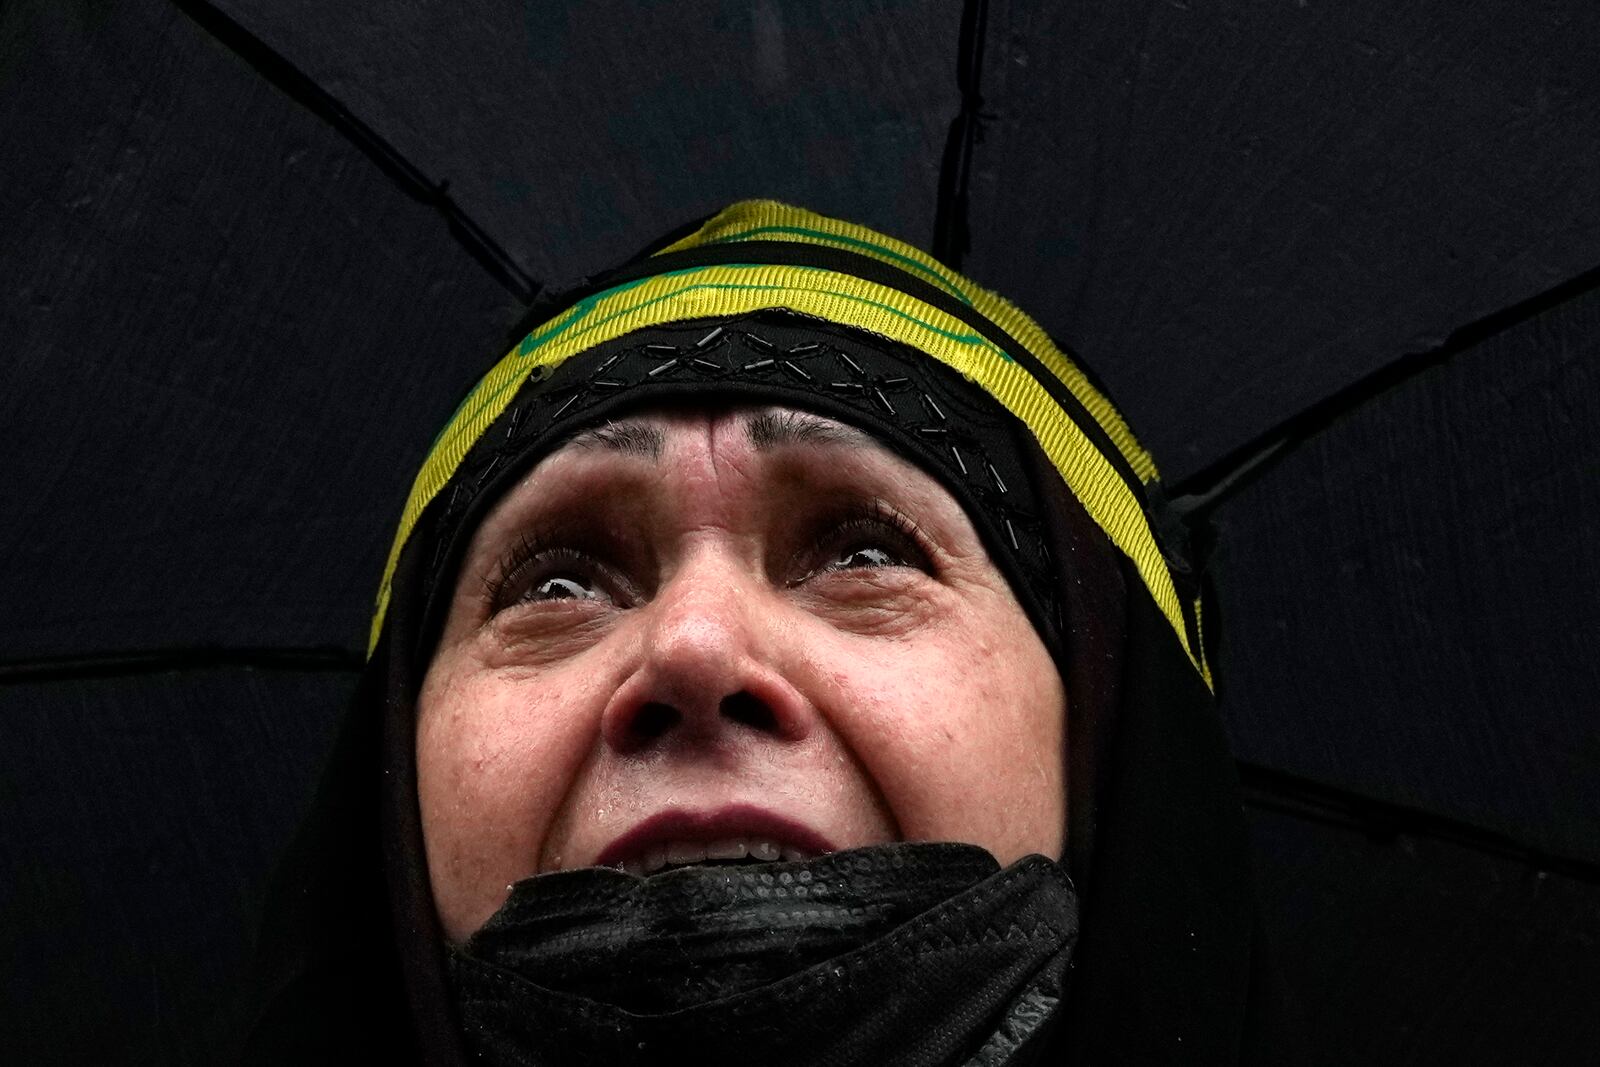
<point x="868" y="536"/>
<point x="534" y="571"/>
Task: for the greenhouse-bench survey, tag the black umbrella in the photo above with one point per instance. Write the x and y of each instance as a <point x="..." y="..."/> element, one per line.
<point x="1338" y="263"/>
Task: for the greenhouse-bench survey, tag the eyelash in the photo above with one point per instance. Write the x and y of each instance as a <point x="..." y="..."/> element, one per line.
<point x="529" y="549"/>
<point x="872" y="517"/>
<point x="866" y="517"/>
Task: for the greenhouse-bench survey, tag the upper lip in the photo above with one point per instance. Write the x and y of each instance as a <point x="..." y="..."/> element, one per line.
<point x="737" y="820"/>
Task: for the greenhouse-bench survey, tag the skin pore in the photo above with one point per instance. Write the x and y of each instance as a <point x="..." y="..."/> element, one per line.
<point x="693" y="608"/>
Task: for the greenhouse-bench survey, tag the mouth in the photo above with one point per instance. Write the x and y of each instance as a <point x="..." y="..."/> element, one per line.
<point x="735" y="835"/>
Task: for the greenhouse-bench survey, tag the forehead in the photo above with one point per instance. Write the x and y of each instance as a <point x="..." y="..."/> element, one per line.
<point x="627" y="458"/>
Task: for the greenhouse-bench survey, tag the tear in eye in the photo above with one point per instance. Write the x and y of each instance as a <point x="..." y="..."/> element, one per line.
<point x="869" y="535"/>
<point x="866" y="556"/>
<point x="563" y="587"/>
<point x="536" y="572"/>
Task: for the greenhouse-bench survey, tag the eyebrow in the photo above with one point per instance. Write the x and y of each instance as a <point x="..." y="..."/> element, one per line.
<point x="767" y="432"/>
<point x="628" y="438"/>
<point x="775" y="429"/>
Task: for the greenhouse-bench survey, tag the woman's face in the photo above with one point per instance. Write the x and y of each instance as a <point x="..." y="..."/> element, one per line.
<point x="728" y="628"/>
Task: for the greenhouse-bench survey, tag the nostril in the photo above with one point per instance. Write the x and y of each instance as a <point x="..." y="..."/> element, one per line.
<point x="654" y="720"/>
<point x="749" y="710"/>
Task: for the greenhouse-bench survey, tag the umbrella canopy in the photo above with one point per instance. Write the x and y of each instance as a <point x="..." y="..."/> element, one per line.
<point x="1337" y="263"/>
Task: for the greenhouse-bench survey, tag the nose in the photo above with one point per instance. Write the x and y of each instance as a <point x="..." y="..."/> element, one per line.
<point x="709" y="671"/>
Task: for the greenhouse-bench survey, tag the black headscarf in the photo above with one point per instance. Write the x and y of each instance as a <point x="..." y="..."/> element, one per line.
<point x="1156" y="940"/>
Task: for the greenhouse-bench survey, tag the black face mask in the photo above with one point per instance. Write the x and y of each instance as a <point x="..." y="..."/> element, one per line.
<point x="961" y="963"/>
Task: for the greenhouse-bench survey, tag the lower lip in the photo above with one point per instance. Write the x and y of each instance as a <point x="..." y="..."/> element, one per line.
<point x="737" y="821"/>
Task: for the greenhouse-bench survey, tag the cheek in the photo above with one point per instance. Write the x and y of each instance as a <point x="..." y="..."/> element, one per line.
<point x="493" y="762"/>
<point x="963" y="732"/>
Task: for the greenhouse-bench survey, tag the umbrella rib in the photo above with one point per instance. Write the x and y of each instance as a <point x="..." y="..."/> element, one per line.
<point x="952" y="236"/>
<point x="1202" y="492"/>
<point x="164" y="660"/>
<point x="1272" y="789"/>
<point x="300" y="88"/>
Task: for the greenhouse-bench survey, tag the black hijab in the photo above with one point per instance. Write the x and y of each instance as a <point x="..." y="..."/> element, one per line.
<point x="1160" y="956"/>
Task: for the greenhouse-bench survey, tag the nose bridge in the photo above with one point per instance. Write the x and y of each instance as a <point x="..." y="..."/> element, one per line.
<point x="710" y="482"/>
<point x="703" y="625"/>
<point x="708" y="668"/>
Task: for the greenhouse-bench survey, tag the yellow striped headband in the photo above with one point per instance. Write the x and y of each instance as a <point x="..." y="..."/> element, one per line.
<point x="759" y="255"/>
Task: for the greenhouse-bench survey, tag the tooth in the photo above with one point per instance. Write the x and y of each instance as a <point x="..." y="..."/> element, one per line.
<point x="634" y="867"/>
<point x="764" y="850"/>
<point x="795" y="854"/>
<point x="685" y="852"/>
<point x="726" y="850"/>
<point x="655" y="858"/>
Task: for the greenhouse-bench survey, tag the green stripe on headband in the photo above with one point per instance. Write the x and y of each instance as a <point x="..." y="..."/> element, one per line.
<point x="742" y="288"/>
